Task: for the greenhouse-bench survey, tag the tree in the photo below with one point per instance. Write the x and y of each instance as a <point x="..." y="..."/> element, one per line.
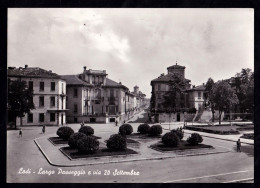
<point x="19" y="99"/>
<point x="172" y="98"/>
<point x="223" y="96"/>
<point x="244" y="83"/>
<point x="208" y="96"/>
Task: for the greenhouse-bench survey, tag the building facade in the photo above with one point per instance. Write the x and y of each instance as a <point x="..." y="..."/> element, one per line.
<point x="49" y="93"/>
<point x="93" y="97"/>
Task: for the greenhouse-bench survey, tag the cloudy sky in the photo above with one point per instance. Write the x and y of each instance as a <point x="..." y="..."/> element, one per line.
<point x="134" y="46"/>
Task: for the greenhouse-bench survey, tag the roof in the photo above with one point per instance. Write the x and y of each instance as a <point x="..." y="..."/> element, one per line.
<point x="74" y="80"/>
<point x="165" y="78"/>
<point x="31" y="72"/>
<point x="198" y="88"/>
<point x="176" y="67"/>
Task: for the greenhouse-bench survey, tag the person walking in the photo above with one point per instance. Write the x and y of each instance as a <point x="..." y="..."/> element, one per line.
<point x="116" y="122"/>
<point x="20" y="132"/>
<point x="82" y="124"/>
<point x="43" y="129"/>
<point x="238" y="145"/>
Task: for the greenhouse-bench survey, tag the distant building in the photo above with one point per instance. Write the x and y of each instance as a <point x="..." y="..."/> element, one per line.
<point x="49" y="92"/>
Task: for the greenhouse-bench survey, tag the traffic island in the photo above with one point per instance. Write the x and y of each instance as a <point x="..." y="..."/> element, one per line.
<point x="104" y="152"/>
<point x="182" y="146"/>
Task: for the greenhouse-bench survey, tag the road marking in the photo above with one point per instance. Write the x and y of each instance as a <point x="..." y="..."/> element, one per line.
<point x="208" y="176"/>
<point x="233" y="181"/>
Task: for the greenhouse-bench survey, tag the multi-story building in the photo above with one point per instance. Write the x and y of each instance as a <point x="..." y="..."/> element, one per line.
<point x="139" y="100"/>
<point x="93" y="97"/>
<point x="160" y="86"/>
<point x="49" y="92"/>
<point x="196" y="97"/>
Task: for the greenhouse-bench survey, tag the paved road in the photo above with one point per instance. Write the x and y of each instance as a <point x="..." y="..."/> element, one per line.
<point x="226" y="167"/>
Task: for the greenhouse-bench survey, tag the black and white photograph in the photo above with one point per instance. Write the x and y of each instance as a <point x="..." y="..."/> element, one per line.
<point x="130" y="95"/>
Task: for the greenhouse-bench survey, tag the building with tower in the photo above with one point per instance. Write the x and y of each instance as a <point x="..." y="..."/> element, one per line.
<point x="190" y="99"/>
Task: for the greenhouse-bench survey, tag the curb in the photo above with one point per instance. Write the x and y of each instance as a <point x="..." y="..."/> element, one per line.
<point x="121" y="161"/>
<point x="221" y="138"/>
<point x="240" y="181"/>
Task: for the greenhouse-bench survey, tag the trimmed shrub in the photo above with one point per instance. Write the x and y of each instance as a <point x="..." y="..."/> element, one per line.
<point x="178" y="132"/>
<point x="194" y="139"/>
<point x="87" y="130"/>
<point x="155" y="130"/>
<point x="116" y="142"/>
<point x="65" y="132"/>
<point x="171" y="139"/>
<point x="87" y="144"/>
<point x="143" y="128"/>
<point x="74" y="138"/>
<point x="125" y="129"/>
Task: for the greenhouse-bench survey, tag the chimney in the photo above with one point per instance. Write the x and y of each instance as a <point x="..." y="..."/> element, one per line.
<point x="25" y="66"/>
<point x="120" y="83"/>
<point x="85" y="68"/>
<point x="203" y="83"/>
<point x="50" y="71"/>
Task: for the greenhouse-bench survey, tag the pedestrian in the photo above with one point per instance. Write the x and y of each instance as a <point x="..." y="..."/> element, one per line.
<point x="20" y="132"/>
<point x="238" y="145"/>
<point x="82" y="124"/>
<point x="43" y="129"/>
<point x="116" y="122"/>
<point x="124" y="121"/>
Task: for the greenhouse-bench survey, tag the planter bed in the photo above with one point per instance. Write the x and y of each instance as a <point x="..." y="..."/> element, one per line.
<point x="74" y="154"/>
<point x="131" y="141"/>
<point x="183" y="146"/>
<point x="223" y="130"/>
<point x="143" y="136"/>
<point x="248" y="136"/>
<point x="60" y="141"/>
<point x="57" y="141"/>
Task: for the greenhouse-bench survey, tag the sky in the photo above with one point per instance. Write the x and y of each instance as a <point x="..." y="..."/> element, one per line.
<point x="134" y="46"/>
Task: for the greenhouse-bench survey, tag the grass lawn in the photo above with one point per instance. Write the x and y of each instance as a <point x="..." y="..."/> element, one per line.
<point x="224" y="130"/>
<point x="74" y="154"/>
<point x="183" y="146"/>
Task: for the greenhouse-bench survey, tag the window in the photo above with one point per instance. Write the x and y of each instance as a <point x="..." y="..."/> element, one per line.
<point x="199" y="94"/>
<point x="106" y="109"/>
<point x="30" y="85"/>
<point x="30" y="118"/>
<point x="116" y="93"/>
<point x="75" y="108"/>
<point x="52" y="116"/>
<point x="41" y="117"/>
<point x="52" y="86"/>
<point x="41" y="86"/>
<point x="52" y="101"/>
<point x="41" y="101"/>
<point x="62" y="88"/>
<point x="159" y="87"/>
<point x="75" y="92"/>
<point x="116" y="109"/>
